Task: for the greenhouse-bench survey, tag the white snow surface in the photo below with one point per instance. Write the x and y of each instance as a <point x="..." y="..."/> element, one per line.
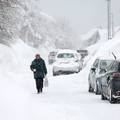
<point x="67" y="96"/>
<point x="95" y="36"/>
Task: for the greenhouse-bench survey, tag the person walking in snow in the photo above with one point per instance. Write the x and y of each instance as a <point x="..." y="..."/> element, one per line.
<point x="39" y="69"/>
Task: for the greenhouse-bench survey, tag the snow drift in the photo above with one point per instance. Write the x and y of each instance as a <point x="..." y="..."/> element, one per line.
<point x="102" y="50"/>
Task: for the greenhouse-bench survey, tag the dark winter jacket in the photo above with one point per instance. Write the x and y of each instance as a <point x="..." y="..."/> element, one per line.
<point x="40" y="68"/>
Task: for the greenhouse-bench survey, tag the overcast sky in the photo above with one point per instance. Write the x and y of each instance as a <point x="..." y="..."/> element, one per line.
<point x="82" y="14"/>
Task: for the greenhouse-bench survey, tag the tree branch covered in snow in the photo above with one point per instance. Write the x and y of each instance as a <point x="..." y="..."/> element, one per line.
<point x="24" y="19"/>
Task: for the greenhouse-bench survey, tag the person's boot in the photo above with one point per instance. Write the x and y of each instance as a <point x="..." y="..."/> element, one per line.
<point x="41" y="90"/>
<point x="38" y="91"/>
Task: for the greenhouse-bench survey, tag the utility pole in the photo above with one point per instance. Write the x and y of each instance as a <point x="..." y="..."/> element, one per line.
<point x="110" y="20"/>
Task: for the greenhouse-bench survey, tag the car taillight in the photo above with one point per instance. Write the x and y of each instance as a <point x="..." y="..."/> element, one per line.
<point x="116" y="74"/>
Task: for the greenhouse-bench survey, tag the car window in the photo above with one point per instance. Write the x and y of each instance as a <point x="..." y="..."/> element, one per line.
<point x="104" y="64"/>
<point x="114" y="66"/>
<point x="65" y="55"/>
<point x="119" y="66"/>
<point x="95" y="64"/>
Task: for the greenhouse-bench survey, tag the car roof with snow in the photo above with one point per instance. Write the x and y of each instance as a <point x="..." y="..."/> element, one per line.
<point x="105" y="58"/>
<point x="67" y="51"/>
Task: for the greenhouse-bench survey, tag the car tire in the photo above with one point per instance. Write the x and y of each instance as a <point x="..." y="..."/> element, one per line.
<point x="54" y="73"/>
<point x="103" y="97"/>
<point x="90" y="89"/>
<point x="96" y="90"/>
<point x="111" y="99"/>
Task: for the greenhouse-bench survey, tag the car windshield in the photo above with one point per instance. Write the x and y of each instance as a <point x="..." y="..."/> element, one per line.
<point x="104" y="64"/>
<point x="117" y="66"/>
<point x="65" y="55"/>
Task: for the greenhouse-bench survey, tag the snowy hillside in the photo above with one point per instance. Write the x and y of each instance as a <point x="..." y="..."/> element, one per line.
<point x="109" y="47"/>
<point x="92" y="37"/>
<point x="25" y="20"/>
<point x="66" y="97"/>
<point x="93" y="44"/>
<point x="95" y="36"/>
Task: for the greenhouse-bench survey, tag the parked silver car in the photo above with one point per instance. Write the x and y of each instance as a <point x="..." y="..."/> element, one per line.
<point x="96" y="72"/>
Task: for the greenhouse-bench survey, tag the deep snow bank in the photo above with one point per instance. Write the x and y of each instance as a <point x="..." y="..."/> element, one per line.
<point x="15" y="79"/>
<point x="95" y="36"/>
<point x="102" y="50"/>
<point x="15" y="62"/>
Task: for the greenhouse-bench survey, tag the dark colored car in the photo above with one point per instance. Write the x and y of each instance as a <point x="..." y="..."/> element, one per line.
<point x="96" y="73"/>
<point x="110" y="83"/>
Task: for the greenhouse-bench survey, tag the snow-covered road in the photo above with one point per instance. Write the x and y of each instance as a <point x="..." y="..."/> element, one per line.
<point x="67" y="99"/>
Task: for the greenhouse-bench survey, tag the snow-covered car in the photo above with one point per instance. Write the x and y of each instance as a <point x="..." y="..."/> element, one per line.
<point x="67" y="61"/>
<point x="51" y="57"/>
<point x="111" y="83"/>
<point x="96" y="73"/>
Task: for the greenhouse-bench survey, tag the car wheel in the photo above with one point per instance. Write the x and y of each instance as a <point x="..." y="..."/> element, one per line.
<point x="111" y="99"/>
<point x="96" y="90"/>
<point x="54" y="73"/>
<point x="90" y="88"/>
<point x="103" y="97"/>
